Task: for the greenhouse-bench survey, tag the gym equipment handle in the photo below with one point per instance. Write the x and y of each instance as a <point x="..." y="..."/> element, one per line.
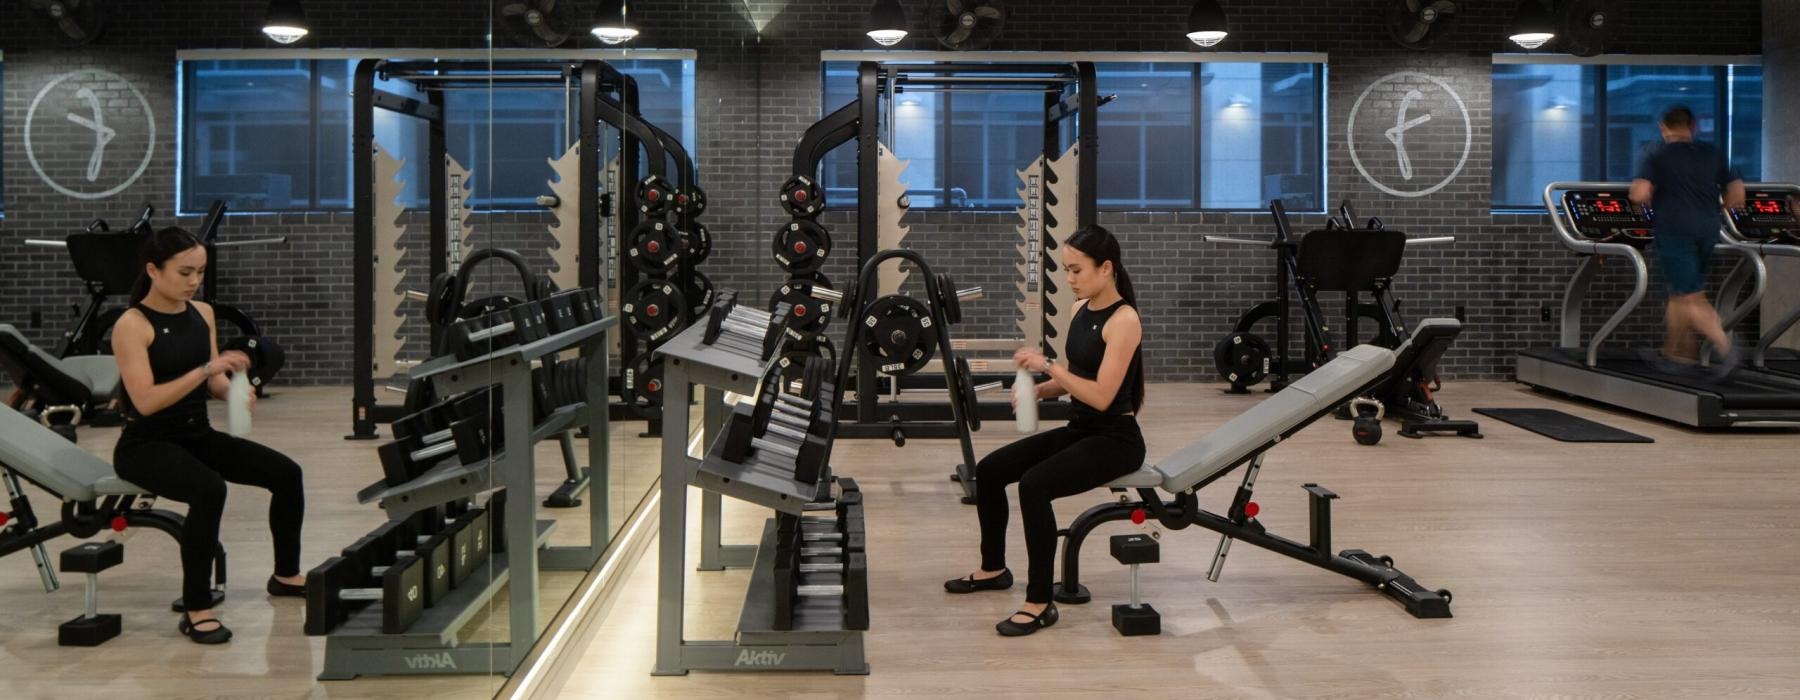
<point x="417" y="295"/>
<point x="1233" y="241"/>
<point x="549" y="200"/>
<point x="486" y="333"/>
<point x="41" y="243"/>
<point x="831" y="295"/>
<point x="990" y="386"/>
<point x="252" y="241"/>
<point x="1433" y="240"/>
<point x="970" y="294"/>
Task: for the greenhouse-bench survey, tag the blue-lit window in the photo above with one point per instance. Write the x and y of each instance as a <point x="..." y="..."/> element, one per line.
<point x="1586" y="122"/>
<point x="270" y="136"/>
<point x="1180" y="136"/>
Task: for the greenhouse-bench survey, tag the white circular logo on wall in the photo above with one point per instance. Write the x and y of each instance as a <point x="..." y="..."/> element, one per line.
<point x="1403" y="134"/>
<point x="90" y="134"/>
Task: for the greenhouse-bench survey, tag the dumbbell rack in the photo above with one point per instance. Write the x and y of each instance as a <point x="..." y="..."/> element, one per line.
<point x="812" y="645"/>
<point x="430" y="646"/>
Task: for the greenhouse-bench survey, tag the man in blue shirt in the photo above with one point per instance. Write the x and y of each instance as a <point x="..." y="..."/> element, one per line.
<point x="1683" y="180"/>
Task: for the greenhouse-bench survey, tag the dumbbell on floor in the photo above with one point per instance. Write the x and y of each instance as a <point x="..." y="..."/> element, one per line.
<point x="1137" y="618"/>
<point x="91" y="628"/>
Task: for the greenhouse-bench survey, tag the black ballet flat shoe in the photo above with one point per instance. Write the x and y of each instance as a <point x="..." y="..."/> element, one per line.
<point x="1008" y="628"/>
<point x="285" y="590"/>
<point x="970" y="584"/>
<point x="217" y="634"/>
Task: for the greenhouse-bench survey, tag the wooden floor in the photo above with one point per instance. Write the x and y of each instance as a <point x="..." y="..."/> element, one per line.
<point x="1656" y="570"/>
<point x="1579" y="570"/>
<point x="269" y="656"/>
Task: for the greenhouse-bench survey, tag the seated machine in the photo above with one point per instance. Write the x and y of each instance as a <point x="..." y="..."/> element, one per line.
<point x="94" y="498"/>
<point x="1243" y="442"/>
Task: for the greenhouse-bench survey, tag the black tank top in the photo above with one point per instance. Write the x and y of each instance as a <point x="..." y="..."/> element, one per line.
<point x="1086" y="348"/>
<point x="183" y="341"/>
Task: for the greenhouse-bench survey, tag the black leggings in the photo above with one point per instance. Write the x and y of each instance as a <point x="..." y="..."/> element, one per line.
<point x="1092" y="450"/>
<point x="191" y="465"/>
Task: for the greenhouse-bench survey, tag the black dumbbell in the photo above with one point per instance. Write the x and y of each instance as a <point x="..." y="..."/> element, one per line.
<point x="471" y="439"/>
<point x="427" y="537"/>
<point x="559" y="311"/>
<point x="470" y="545"/>
<point x="337" y="588"/>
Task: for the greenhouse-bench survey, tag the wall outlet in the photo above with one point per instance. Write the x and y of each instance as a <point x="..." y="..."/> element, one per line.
<point x="1544" y="312"/>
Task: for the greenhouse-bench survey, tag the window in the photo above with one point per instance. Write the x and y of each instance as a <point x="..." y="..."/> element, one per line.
<point x="1589" y="122"/>
<point x="274" y="135"/>
<point x="1180" y="136"/>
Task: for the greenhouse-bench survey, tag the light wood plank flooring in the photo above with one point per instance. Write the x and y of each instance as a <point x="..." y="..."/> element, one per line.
<point x="1579" y="570"/>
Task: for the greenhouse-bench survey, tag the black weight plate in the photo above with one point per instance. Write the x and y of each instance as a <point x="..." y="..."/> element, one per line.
<point x="643" y="387"/>
<point x="697" y="243"/>
<point x="653" y="307"/>
<point x="654" y="195"/>
<point x="700" y="292"/>
<point x="1241" y="358"/>
<point x="441" y="306"/>
<point x="653" y="247"/>
<point x="800" y="246"/>
<point x="809" y="315"/>
<point x="487" y="305"/>
<point x="818" y="373"/>
<point x="898" y="334"/>
<point x="791" y="369"/>
<point x="691" y="202"/>
<point x="947" y="298"/>
<point x="971" y="404"/>
<point x="802" y="197"/>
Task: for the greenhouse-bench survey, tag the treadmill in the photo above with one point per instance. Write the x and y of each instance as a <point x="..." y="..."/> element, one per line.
<point x="1596" y="220"/>
<point x="1767" y="224"/>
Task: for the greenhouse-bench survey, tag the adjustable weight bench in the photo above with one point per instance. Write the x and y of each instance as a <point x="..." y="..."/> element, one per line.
<point x="94" y="498"/>
<point x="51" y="386"/>
<point x="1245" y="440"/>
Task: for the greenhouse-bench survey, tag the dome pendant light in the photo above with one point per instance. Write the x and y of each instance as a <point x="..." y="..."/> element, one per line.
<point x="285" y="21"/>
<point x="1206" y="23"/>
<point x="611" y="25"/>
<point x="887" y="22"/>
<point x="1532" y="25"/>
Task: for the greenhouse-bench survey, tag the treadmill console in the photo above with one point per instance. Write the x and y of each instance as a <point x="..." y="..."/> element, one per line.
<point x="1768" y="217"/>
<point x="1607" y="216"/>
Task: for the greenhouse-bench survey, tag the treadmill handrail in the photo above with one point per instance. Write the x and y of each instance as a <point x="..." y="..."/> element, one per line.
<point x="1561" y="220"/>
<point x="1771" y="331"/>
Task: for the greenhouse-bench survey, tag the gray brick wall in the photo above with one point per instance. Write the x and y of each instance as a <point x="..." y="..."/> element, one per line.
<point x="758" y="90"/>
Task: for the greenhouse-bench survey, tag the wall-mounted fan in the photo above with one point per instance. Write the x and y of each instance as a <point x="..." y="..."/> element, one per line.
<point x="967" y="24"/>
<point x="536" y="23"/>
<point x="1588" y="27"/>
<point x="75" y="22"/>
<point x="1415" y="23"/>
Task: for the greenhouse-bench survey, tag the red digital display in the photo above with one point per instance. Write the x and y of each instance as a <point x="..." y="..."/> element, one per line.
<point x="1768" y="206"/>
<point x="1609" y="206"/>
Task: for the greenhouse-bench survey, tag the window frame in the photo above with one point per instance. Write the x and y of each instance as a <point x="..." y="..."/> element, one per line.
<point x="184" y="95"/>
<point x="1722" y="103"/>
<point x="1100" y="59"/>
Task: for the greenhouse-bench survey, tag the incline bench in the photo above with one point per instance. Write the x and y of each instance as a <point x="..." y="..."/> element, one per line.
<point x="1245" y="440"/>
<point x="93" y="497"/>
<point x="48" y="386"/>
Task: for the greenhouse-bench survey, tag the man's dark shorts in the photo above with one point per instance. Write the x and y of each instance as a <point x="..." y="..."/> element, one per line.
<point x="1684" y="260"/>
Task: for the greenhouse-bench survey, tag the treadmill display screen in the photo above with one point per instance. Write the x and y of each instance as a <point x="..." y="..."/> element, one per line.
<point x="1767" y="217"/>
<point x="1607" y="215"/>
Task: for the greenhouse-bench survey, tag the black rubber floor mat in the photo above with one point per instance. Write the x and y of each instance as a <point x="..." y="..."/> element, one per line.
<point x="1557" y="425"/>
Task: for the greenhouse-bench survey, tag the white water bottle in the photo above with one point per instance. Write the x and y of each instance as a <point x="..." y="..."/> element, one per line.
<point x="237" y="405"/>
<point x="1025" y="402"/>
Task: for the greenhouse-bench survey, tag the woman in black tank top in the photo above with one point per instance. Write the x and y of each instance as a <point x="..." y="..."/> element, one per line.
<point x="1104" y="374"/>
<point x="169" y="364"/>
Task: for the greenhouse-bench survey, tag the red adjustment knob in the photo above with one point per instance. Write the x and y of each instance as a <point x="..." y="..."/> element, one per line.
<point x="799" y="195"/>
<point x="652" y="310"/>
<point x="654" y="386"/>
<point x="118" y="523"/>
<point x="799" y="248"/>
<point x="5" y="517"/>
<point x="1251" y="509"/>
<point x="1137" y="516"/>
<point x="652" y="195"/>
<point x="800" y="311"/>
<point x="681" y="199"/>
<point x="653" y="247"/>
<point x="1326" y="348"/>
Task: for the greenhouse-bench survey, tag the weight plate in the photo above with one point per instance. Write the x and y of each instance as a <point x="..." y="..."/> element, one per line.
<point x="697" y="244"/>
<point x="802" y="197"/>
<point x="654" y="195"/>
<point x="801" y="246"/>
<point x="971" y="406"/>
<point x="947" y="298"/>
<point x="700" y="292"/>
<point x="487" y="305"/>
<point x="653" y="307"/>
<point x="809" y="315"/>
<point x="898" y="334"/>
<point x="653" y="247"/>
<point x="1241" y="358"/>
<point x="441" y="306"/>
<point x="791" y="370"/>
<point x="691" y="202"/>
<point x="642" y="388"/>
<point x="818" y="373"/>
